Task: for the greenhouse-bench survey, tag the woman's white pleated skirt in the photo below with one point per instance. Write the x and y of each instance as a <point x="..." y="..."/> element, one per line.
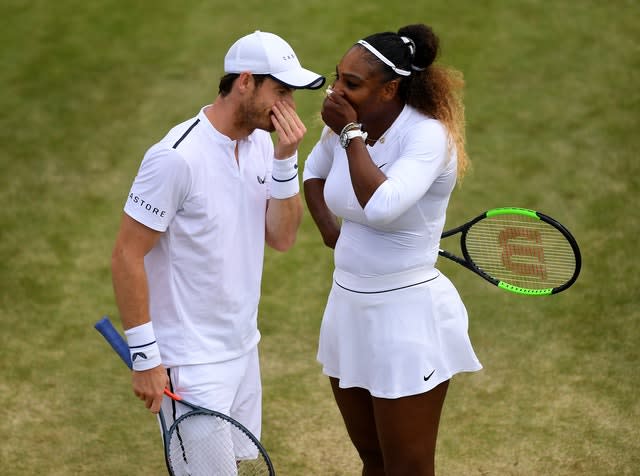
<point x="394" y="337"/>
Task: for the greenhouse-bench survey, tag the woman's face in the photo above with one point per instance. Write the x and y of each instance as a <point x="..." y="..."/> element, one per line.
<point x="361" y="83"/>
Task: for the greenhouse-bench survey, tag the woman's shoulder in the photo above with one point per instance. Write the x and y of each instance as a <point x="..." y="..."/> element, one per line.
<point x="418" y="117"/>
<point x="417" y="124"/>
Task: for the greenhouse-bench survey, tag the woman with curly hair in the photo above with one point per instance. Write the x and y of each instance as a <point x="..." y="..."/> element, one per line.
<point x="377" y="184"/>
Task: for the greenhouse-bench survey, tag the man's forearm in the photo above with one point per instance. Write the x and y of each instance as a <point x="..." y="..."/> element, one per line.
<point x="282" y="222"/>
<point x="130" y="288"/>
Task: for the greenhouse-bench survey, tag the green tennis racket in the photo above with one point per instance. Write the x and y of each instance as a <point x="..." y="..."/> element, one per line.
<point x="519" y="250"/>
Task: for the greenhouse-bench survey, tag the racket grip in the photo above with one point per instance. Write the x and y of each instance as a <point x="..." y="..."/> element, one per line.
<point x="113" y="337"/>
<point x="117" y="342"/>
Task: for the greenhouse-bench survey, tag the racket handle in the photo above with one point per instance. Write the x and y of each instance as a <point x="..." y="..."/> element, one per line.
<point x="113" y="337"/>
<point x="117" y="342"/>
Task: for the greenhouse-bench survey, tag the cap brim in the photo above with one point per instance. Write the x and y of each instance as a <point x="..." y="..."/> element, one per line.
<point x="300" y="79"/>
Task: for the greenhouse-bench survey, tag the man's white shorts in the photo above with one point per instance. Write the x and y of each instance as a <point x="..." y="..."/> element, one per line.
<point x="232" y="387"/>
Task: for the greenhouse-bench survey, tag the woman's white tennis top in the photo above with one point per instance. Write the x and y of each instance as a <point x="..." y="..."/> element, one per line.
<point x="400" y="227"/>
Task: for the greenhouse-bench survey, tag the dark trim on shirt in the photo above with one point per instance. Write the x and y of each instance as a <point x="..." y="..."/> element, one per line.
<point x="175" y="146"/>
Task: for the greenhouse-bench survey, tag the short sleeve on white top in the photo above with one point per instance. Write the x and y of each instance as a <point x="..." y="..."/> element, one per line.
<point x="152" y="204"/>
<point x="205" y="271"/>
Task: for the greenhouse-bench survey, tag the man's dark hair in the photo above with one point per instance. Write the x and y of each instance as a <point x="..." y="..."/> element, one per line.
<point x="226" y="82"/>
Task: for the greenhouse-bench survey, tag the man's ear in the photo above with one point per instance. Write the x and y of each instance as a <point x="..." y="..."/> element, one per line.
<point x="245" y="82"/>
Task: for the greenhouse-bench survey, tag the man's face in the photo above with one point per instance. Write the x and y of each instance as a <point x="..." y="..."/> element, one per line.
<point x="256" y="112"/>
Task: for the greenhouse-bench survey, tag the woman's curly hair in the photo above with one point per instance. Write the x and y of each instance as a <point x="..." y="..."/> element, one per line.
<point x="434" y="90"/>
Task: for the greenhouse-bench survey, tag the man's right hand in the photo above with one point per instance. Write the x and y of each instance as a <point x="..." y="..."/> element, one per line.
<point x="289" y="128"/>
<point x="149" y="385"/>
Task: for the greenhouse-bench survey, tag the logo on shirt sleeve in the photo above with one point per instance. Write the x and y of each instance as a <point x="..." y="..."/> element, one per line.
<point x="147" y="206"/>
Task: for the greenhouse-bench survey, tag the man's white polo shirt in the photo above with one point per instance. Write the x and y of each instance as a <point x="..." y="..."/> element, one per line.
<point x="205" y="272"/>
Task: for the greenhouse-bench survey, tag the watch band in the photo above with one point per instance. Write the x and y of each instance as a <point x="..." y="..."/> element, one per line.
<point x="351" y="131"/>
<point x="350" y="127"/>
<point x="352" y="134"/>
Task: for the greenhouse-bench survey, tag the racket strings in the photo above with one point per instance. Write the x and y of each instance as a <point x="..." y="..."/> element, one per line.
<point x="522" y="251"/>
<point x="205" y="444"/>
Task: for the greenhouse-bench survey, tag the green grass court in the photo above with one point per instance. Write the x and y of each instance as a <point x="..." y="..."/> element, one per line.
<point x="553" y="113"/>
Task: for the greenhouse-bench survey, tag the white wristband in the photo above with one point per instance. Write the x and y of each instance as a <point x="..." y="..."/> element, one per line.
<point x="284" y="183"/>
<point x="143" y="347"/>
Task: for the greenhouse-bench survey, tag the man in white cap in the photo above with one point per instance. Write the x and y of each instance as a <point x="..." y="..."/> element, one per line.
<point x="187" y="262"/>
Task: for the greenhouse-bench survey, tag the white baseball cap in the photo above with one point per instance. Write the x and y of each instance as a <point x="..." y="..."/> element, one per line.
<point x="266" y="53"/>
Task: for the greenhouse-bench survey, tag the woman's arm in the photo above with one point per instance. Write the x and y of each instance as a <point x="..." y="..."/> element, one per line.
<point x="326" y="221"/>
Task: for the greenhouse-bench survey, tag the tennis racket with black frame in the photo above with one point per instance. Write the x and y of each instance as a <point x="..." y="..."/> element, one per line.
<point x="518" y="250"/>
<point x="201" y="441"/>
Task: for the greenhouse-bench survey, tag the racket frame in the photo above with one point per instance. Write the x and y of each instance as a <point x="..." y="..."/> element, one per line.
<point x="468" y="262"/>
<point x="120" y="346"/>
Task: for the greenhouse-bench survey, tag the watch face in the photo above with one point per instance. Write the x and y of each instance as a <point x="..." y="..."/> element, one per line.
<point x="344" y="140"/>
<point x="348" y="133"/>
